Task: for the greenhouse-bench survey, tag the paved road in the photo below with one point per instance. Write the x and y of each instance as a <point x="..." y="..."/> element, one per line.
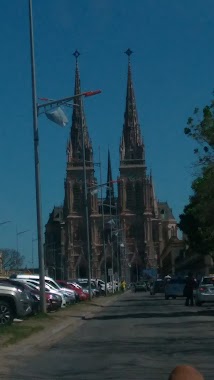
<point x="138" y="337"/>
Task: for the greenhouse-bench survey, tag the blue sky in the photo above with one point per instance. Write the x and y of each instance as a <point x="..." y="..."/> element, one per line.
<point x="172" y="69"/>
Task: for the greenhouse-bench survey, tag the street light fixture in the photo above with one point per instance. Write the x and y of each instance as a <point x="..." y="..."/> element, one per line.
<point x="36" y="108"/>
<point x="5" y="222"/>
<point x="17" y="237"/>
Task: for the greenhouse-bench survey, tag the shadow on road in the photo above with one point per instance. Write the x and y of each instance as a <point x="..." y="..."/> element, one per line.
<point x="153" y="315"/>
<point x="143" y="300"/>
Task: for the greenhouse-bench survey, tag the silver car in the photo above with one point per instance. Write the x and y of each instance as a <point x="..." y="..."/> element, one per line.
<point x="205" y="291"/>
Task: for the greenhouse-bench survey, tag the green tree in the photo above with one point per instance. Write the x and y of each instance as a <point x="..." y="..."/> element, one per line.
<point x="200" y="127"/>
<point x="197" y="220"/>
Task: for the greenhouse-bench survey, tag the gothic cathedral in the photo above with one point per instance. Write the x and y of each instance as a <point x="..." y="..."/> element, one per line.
<point x="133" y="227"/>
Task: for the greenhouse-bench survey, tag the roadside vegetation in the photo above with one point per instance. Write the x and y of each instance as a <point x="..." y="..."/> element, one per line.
<point x="197" y="221"/>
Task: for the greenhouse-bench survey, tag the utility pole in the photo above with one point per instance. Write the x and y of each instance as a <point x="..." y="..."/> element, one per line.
<point x="103" y="227"/>
<point x="86" y="210"/>
<point x="112" y="248"/>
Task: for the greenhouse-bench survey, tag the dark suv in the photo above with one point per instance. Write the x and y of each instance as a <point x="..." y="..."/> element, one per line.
<point x="14" y="303"/>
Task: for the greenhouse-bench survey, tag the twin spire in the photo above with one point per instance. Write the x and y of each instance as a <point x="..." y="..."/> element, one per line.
<point x="131" y="147"/>
<point x="75" y="143"/>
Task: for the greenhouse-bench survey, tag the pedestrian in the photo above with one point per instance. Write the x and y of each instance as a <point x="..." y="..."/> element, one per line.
<point x="123" y="285"/>
<point x="188" y="289"/>
<point x="185" y="372"/>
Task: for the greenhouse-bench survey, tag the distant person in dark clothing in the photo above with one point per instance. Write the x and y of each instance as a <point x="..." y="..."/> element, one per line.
<point x="189" y="288"/>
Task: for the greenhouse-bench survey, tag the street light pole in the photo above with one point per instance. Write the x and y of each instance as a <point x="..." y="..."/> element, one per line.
<point x="118" y="226"/>
<point x="112" y="248"/>
<point x="86" y="211"/>
<point x="103" y="227"/>
<point x="37" y="167"/>
<point x="33" y="240"/>
<point x="36" y="109"/>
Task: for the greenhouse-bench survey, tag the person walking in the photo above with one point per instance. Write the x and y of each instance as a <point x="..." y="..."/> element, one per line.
<point x="188" y="290"/>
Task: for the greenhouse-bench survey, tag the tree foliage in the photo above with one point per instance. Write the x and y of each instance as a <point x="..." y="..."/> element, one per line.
<point x="197" y="220"/>
<point x="200" y="127"/>
<point x="11" y="259"/>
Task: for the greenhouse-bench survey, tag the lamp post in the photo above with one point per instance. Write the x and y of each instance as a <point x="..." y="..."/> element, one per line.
<point x="33" y="240"/>
<point x="103" y="228"/>
<point x="36" y="109"/>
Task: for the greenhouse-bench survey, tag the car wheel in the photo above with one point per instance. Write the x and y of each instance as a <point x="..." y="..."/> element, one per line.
<point x="198" y="303"/>
<point x="6" y="314"/>
<point x="166" y="297"/>
<point x="174" y="298"/>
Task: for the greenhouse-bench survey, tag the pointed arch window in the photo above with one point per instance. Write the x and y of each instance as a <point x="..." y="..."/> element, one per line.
<point x="130" y="203"/>
<point x="139" y="195"/>
<point x="77" y="197"/>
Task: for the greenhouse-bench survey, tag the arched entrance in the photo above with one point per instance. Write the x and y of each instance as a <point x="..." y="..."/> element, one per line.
<point x="136" y="269"/>
<point x="82" y="268"/>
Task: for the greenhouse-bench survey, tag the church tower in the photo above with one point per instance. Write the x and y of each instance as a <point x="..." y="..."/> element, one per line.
<point x="135" y="189"/>
<point x="74" y="205"/>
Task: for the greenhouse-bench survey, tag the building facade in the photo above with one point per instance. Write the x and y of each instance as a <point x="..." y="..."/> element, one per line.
<point x="133" y="227"/>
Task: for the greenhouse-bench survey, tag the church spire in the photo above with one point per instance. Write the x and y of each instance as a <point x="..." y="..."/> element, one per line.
<point x="75" y="149"/>
<point x="131" y="147"/>
<point x="110" y="188"/>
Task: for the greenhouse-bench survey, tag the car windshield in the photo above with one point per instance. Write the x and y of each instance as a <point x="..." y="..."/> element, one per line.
<point x="208" y="281"/>
<point x="177" y="281"/>
<point x="53" y="284"/>
<point x="83" y="284"/>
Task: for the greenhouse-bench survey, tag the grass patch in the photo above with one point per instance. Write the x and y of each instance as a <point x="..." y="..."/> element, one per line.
<point x="15" y="333"/>
<point x="41" y="316"/>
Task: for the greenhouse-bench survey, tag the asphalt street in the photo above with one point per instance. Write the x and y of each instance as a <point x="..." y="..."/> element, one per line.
<point x="137" y="337"/>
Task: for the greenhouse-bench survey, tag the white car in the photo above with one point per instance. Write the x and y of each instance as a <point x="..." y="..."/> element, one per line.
<point x="205" y="291"/>
<point x="68" y="294"/>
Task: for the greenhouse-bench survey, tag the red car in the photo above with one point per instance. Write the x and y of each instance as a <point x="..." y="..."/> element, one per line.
<point x="78" y="290"/>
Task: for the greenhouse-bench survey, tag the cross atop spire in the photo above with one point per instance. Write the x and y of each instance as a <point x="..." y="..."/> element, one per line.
<point x="131" y="147"/>
<point x="129" y="52"/>
<point x="76" y="54"/>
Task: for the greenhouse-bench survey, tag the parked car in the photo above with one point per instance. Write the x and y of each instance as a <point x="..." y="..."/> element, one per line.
<point x="68" y="294"/>
<point x="53" y="301"/>
<point x="175" y="288"/>
<point x="33" y="294"/>
<point x="48" y="289"/>
<point x="205" y="291"/>
<point x="14" y="303"/>
<point x="140" y="287"/>
<point x="157" y="287"/>
<point x="81" y="296"/>
<point x="84" y="283"/>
